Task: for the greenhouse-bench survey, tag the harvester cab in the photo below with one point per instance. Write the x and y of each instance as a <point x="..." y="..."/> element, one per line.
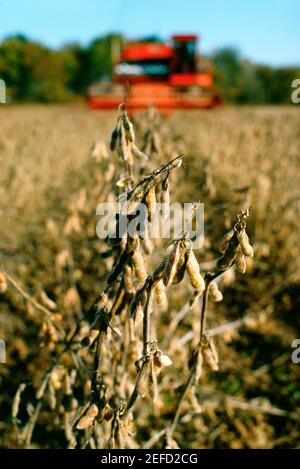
<point x="164" y="75"/>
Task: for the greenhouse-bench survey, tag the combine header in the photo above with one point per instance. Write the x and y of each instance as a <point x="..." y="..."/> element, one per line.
<point x="167" y="76"/>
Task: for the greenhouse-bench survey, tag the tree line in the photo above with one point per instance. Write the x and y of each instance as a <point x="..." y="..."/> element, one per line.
<point x="34" y="72"/>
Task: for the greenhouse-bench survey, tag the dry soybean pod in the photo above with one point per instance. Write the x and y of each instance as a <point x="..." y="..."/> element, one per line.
<point x="171" y="265"/>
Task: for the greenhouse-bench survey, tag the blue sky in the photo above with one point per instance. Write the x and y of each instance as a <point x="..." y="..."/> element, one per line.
<point x="263" y="30"/>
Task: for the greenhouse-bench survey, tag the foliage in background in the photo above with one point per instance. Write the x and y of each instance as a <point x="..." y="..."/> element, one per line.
<point x="244" y="82"/>
<point x="34" y="72"/>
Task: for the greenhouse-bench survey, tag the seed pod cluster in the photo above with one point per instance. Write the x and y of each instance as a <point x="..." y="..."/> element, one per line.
<point x="214" y="292"/>
<point x="193" y="271"/>
<point x="56" y="378"/>
<point x="210" y="353"/>
<point x="149" y="370"/>
<point x="199" y="365"/>
<point x="160" y="293"/>
<point x="130" y="256"/>
<point x="128" y="280"/>
<point x="161" y="360"/>
<point x="48" y="334"/>
<point x="87" y="417"/>
<point x="244" y="243"/>
<point x="124" y="147"/>
<point x="138" y="153"/>
<point x="139" y="266"/>
<point x="182" y="262"/>
<point x="225" y="241"/>
<point x="240" y="261"/>
<point x="129" y="131"/>
<point x="179" y="259"/>
<point x="158" y="272"/>
<point x="150" y="202"/>
<point x="133" y="243"/>
<point x="229" y="247"/>
<point x="125" y="430"/>
<point x="172" y="260"/>
<point x="142" y="383"/>
<point x="235" y="246"/>
<point x="123" y="139"/>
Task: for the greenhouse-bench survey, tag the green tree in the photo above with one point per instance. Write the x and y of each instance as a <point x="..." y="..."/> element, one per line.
<point x="251" y="90"/>
<point x="102" y="52"/>
<point x="265" y="75"/>
<point x="44" y="73"/>
<point x="12" y="66"/>
<point x="31" y="71"/>
<point x="228" y="72"/>
<point x="70" y="56"/>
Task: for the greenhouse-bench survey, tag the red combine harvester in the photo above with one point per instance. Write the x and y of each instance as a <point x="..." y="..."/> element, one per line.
<point x="158" y="74"/>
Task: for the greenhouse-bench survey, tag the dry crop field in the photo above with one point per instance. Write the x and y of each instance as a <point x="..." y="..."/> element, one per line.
<point x="130" y="343"/>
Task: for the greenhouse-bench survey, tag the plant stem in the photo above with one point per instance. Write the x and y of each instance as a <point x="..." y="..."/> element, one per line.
<point x="203" y="311"/>
<point x="209" y="277"/>
<point x="187" y="387"/>
<point x="146" y="351"/>
<point x="27" y="297"/>
<point x="146" y="324"/>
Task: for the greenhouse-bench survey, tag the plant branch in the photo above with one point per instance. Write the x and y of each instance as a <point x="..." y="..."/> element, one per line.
<point x="27" y="297"/>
